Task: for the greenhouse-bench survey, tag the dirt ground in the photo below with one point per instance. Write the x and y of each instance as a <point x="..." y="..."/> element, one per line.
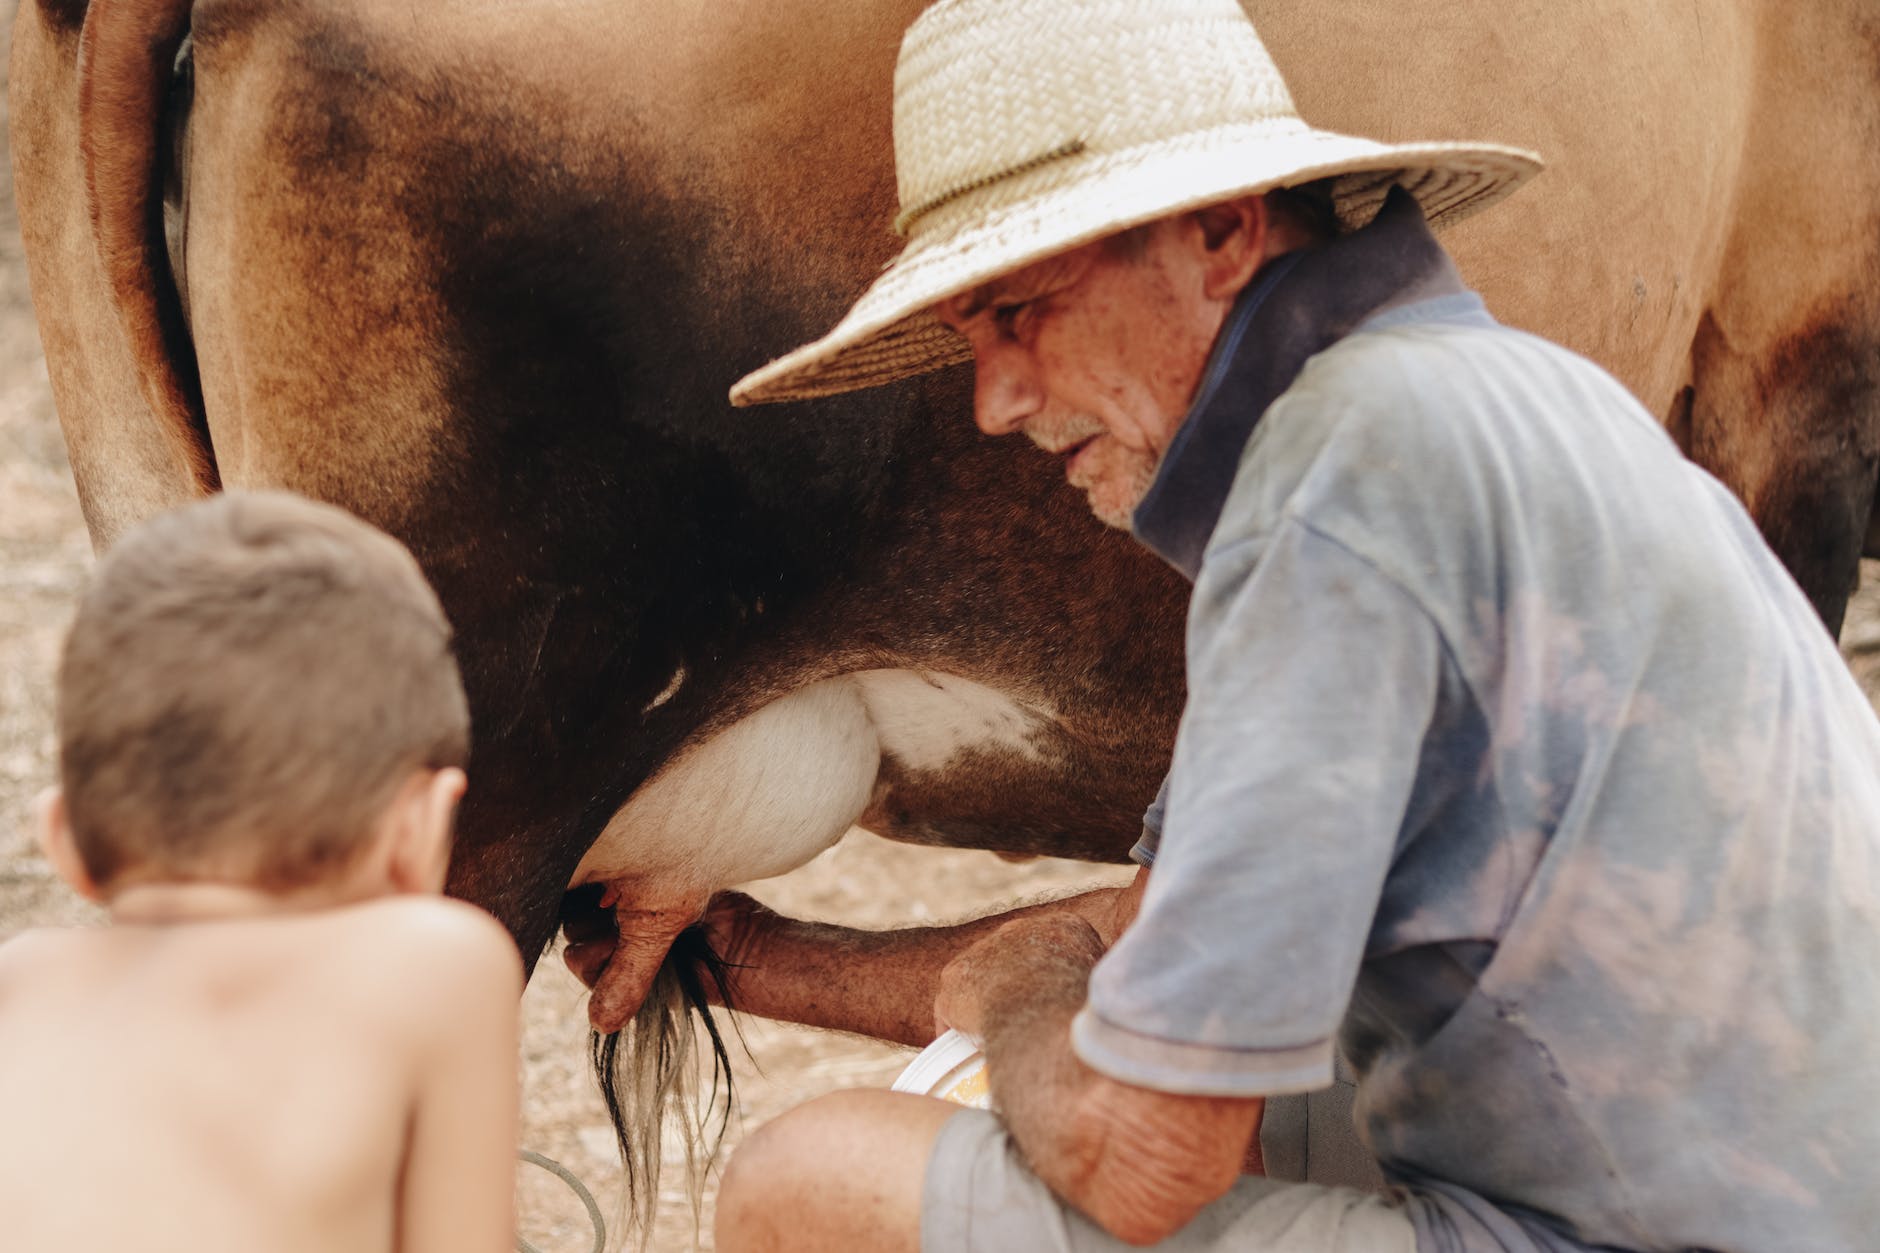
<point x="44" y="554"/>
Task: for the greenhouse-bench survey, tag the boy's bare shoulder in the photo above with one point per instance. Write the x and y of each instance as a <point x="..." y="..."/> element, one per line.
<point x="24" y="952"/>
<point x="17" y="951"/>
<point x="426" y="927"/>
<point x="430" y="941"/>
<point x="427" y="919"/>
<point x="43" y="959"/>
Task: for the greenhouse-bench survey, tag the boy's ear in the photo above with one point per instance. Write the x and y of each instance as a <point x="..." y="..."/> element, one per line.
<point x="421" y="825"/>
<point x="53" y="825"/>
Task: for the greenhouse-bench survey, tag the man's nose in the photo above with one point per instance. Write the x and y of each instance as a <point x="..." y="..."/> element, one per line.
<point x="1005" y="391"/>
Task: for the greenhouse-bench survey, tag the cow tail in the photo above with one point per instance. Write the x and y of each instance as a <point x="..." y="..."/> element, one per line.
<point x="127" y="52"/>
<point x="649" y="1076"/>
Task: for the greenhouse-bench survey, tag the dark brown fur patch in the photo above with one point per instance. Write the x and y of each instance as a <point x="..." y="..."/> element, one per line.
<point x="64" y="16"/>
<point x="1678" y="421"/>
<point x="1825" y="378"/>
<point x="602" y="517"/>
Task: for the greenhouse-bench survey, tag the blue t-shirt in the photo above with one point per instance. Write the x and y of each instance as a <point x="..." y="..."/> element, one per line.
<point x="1516" y="765"/>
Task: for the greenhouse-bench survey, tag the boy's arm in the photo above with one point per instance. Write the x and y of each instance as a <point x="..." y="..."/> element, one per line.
<point x="457" y="1191"/>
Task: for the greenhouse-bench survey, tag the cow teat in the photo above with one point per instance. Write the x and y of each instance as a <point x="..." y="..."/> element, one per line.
<point x="644" y="930"/>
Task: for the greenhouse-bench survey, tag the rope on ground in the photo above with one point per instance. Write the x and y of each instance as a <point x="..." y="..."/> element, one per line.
<point x="580" y="1189"/>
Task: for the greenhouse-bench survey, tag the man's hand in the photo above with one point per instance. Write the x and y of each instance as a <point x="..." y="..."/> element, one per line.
<point x="736" y="926"/>
<point x="739" y="928"/>
<point x="1051" y="946"/>
<point x="1041" y="956"/>
<point x="591" y="934"/>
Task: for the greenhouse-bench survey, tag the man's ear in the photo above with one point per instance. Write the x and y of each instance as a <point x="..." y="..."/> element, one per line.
<point x="1235" y="237"/>
<point x="53" y="825"/>
<point x="419" y="828"/>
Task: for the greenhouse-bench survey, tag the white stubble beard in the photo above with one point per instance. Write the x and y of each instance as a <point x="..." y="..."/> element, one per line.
<point x="1115" y="502"/>
<point x="1113" y="495"/>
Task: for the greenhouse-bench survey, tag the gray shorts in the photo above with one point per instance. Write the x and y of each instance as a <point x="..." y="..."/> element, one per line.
<point x="979" y="1196"/>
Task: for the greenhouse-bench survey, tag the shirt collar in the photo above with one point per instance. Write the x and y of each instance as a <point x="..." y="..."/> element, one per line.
<point x="1388" y="273"/>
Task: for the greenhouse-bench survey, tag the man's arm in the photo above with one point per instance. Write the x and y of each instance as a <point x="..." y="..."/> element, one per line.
<point x="874" y="983"/>
<point x="457" y="1190"/>
<point x="1139" y="1163"/>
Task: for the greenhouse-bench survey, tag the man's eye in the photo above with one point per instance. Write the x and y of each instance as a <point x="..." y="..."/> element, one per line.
<point x="1006" y="315"/>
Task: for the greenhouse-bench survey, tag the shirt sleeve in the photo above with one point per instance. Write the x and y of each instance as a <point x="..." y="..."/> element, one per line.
<point x="1144" y="852"/>
<point x="1313" y="679"/>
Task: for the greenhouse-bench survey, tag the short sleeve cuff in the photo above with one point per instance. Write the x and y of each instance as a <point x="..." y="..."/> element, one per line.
<point x="1152" y="819"/>
<point x="1198" y="1069"/>
<point x="1143" y="854"/>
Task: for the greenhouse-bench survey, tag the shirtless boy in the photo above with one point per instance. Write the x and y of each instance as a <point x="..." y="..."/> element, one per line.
<point x="285" y="1040"/>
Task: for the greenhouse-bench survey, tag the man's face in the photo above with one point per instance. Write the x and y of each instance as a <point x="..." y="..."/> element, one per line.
<point x="1095" y="354"/>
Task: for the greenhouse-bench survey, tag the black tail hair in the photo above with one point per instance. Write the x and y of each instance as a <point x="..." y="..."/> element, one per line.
<point x="647" y="1075"/>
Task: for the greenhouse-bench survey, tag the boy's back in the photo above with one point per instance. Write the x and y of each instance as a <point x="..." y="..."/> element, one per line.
<point x="286" y="1040"/>
<point x="260" y="1082"/>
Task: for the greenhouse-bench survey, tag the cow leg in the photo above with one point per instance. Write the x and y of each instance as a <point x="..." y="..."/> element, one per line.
<point x="1785" y="403"/>
<point x="128" y="464"/>
<point x="1792" y="426"/>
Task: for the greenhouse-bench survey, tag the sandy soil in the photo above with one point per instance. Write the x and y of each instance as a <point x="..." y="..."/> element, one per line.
<point x="44" y="553"/>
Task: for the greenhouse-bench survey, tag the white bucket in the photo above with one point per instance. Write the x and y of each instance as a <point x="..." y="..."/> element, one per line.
<point x="951" y="1068"/>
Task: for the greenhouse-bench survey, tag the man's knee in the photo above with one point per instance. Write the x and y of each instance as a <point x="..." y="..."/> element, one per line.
<point x="779" y="1155"/>
<point x="762" y="1174"/>
<point x="849" y="1162"/>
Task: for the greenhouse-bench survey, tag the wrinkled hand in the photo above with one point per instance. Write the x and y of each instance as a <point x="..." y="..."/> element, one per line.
<point x="736" y="927"/>
<point x="591" y="933"/>
<point x="1043" y="957"/>
<point x="734" y="924"/>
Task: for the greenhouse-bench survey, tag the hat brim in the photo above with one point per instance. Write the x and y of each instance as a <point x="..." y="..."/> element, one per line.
<point x="892" y="334"/>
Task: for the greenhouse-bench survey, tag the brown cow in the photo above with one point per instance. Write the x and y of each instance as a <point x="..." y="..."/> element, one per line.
<point x="482" y="273"/>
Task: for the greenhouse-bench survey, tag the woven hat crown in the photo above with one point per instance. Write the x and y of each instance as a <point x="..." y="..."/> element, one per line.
<point x="987" y="91"/>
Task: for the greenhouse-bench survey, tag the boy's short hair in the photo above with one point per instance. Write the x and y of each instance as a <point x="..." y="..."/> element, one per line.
<point x="247" y="683"/>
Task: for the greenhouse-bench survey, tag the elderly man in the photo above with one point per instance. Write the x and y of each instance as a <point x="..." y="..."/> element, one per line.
<point x="1515" y="771"/>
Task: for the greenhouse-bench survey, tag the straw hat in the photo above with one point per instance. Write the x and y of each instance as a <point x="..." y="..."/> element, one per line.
<point x="1023" y="128"/>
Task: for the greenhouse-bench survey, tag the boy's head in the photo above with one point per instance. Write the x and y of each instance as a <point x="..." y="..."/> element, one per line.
<point x="250" y="685"/>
